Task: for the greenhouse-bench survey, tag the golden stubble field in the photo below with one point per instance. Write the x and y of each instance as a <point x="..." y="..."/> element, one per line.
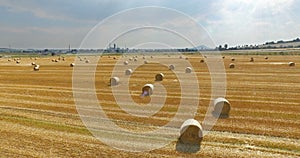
<point x="38" y="116"/>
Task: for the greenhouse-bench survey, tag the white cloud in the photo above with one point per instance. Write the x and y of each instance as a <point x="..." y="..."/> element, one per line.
<point x="228" y="21"/>
<point x="42" y="37"/>
<point x="19" y="7"/>
<point x="249" y="22"/>
<point x="142" y="25"/>
<point x="38" y="10"/>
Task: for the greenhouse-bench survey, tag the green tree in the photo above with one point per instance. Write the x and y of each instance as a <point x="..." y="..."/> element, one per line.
<point x="225" y="46"/>
<point x="220" y="47"/>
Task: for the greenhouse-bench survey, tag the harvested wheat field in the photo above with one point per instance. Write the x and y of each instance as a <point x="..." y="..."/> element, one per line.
<point x="38" y="115"/>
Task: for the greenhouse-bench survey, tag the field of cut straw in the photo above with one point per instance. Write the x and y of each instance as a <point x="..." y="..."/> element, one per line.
<point x="38" y="115"/>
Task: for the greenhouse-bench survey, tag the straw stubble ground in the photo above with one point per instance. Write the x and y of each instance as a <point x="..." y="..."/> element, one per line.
<point x="38" y="115"/>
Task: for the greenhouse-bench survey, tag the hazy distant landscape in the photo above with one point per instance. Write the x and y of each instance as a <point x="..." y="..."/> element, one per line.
<point x="280" y="44"/>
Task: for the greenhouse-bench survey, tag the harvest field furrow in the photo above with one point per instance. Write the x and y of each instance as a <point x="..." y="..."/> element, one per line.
<point x="39" y="117"/>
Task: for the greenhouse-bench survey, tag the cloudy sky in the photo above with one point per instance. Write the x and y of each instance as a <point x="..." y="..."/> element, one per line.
<point x="58" y="23"/>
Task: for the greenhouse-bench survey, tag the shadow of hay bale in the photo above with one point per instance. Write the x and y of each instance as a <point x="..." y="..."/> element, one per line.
<point x="187" y="148"/>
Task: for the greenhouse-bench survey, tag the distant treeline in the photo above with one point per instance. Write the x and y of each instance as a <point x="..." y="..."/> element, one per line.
<point x="295" y="43"/>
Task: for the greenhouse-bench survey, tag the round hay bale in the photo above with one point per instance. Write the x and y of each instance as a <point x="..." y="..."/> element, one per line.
<point x="223" y="57"/>
<point x="114" y="81"/>
<point x="56" y="60"/>
<point x="180" y="57"/>
<point x="202" y="61"/>
<point x="232" y="59"/>
<point x="125" y="62"/>
<point x="292" y="64"/>
<point x="144" y="57"/>
<point x="87" y="61"/>
<point x="147" y="90"/>
<point x="130" y="59"/>
<point x="186" y="58"/>
<point x="231" y="65"/>
<point x="135" y="59"/>
<point x="266" y="57"/>
<point x="151" y="57"/>
<point x="128" y="72"/>
<point x="171" y="67"/>
<point x="146" y="62"/>
<point x="251" y="59"/>
<point x="36" y="68"/>
<point x="221" y="108"/>
<point x="9" y="60"/>
<point x="33" y="63"/>
<point x="72" y="64"/>
<point x="159" y="77"/>
<point x="18" y="61"/>
<point x="114" y="58"/>
<point x="191" y="132"/>
<point x="188" y="70"/>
